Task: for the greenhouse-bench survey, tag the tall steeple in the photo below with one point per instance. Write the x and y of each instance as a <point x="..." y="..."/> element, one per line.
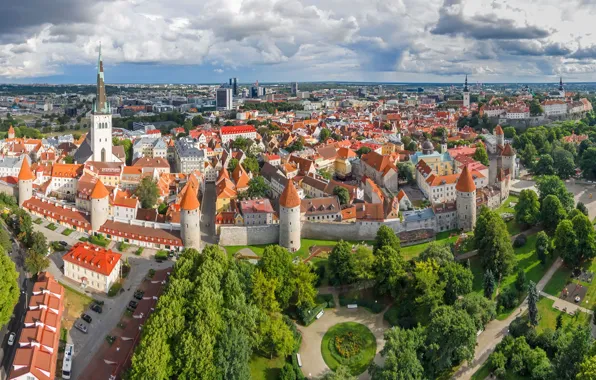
<point x="561" y="84"/>
<point x="101" y="104"/>
<point x="466" y="84"/>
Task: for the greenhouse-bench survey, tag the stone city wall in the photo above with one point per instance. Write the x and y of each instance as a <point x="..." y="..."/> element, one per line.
<point x="9" y="189"/>
<point x="346" y="231"/>
<point x="249" y="235"/>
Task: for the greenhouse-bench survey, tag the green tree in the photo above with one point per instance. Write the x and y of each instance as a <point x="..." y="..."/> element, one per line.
<point x="402" y="355"/>
<point x="535" y="108"/>
<point x="38" y="243"/>
<point x="148" y="192"/>
<point x="429" y="288"/>
<point x="552" y="213"/>
<point x="493" y="243"/>
<point x="35" y="263"/>
<point x="406" y="172"/>
<point x="363" y="150"/>
<point x="458" y="281"/>
<point x="564" y="163"/>
<point x="559" y="322"/>
<point x="364" y="263"/>
<point x="341" y="264"/>
<point x="278" y="338"/>
<point x="480" y="154"/>
<point x="585" y="234"/>
<point x="287" y="372"/>
<point x="325" y="134"/>
<point x="257" y="187"/>
<point x="276" y="264"/>
<point x="386" y="237"/>
<point x="232" y="164"/>
<point x="545" y="165"/>
<point x="552" y="185"/>
<point x="5" y="241"/>
<point x="389" y="271"/>
<point x="587" y="369"/>
<point x="251" y="165"/>
<point x="489" y="284"/>
<point x="587" y="163"/>
<point x="263" y="292"/>
<point x="528" y="155"/>
<point x="573" y="349"/>
<point x="582" y="208"/>
<point x="450" y="339"/>
<point x="441" y="253"/>
<point x="9" y="287"/>
<point x="532" y="303"/>
<point x="341" y="373"/>
<point x="304" y="286"/>
<point x="565" y="243"/>
<point x="342" y="194"/>
<point x="527" y="209"/>
<point x="520" y="280"/>
<point x="542" y="246"/>
<point x="481" y="309"/>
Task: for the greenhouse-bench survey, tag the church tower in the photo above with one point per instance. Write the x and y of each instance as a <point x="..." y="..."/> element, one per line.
<point x="101" y="120"/>
<point x="25" y="178"/>
<point x="100" y="205"/>
<point x="508" y="160"/>
<point x="190" y="218"/>
<point x="290" y="227"/>
<point x="466" y="94"/>
<point x="561" y="88"/>
<point x="466" y="200"/>
<point x="444" y="142"/>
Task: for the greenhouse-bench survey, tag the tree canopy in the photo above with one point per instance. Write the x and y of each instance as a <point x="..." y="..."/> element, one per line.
<point x="148" y="192"/>
<point x="493" y="243"/>
<point x="9" y="287"/>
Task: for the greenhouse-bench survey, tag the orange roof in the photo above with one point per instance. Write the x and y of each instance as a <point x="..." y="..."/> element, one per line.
<point x="498" y="130"/>
<point x="190" y="201"/>
<point x="67" y="170"/>
<point x="507" y="151"/>
<point x="99" y="191"/>
<point x="289" y="197"/>
<point x="11" y="130"/>
<point x="94" y="258"/>
<point x="466" y="182"/>
<point x="25" y="174"/>
<point x="240" y="177"/>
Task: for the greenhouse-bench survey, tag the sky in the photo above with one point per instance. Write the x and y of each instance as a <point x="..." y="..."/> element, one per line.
<point x="209" y="41"/>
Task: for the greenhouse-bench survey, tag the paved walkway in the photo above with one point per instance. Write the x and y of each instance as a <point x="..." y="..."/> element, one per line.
<point x="496" y="330"/>
<point x="562" y="304"/>
<point x="313" y="365"/>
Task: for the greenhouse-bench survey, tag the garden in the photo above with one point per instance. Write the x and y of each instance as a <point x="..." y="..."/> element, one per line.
<point x="349" y="344"/>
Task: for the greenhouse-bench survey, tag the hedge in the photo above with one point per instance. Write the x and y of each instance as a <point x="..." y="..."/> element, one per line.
<point x="99" y="240"/>
<point x="161" y="255"/>
<point x="326" y="299"/>
<point x="299" y="375"/>
<point x="392" y="316"/>
<point x="375" y="307"/>
<point x="308" y="316"/>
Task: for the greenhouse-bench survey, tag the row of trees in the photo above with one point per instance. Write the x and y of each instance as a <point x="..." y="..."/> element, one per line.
<point x="216" y="312"/>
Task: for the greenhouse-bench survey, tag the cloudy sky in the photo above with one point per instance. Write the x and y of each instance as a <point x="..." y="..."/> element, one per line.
<point x="208" y="41"/>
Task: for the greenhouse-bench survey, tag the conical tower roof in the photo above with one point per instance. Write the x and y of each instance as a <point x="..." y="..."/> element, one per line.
<point x="499" y="130"/>
<point x="25" y="174"/>
<point x="189" y="200"/>
<point x="507" y="151"/>
<point x="99" y="191"/>
<point x="289" y="197"/>
<point x="465" y="183"/>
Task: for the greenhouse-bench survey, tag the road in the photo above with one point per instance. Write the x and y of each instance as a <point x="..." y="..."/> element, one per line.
<point x="16" y="322"/>
<point x="208" y="215"/>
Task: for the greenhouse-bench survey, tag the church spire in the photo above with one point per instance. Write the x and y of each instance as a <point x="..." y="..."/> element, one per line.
<point x="101" y="104"/>
<point x="561" y="84"/>
<point x="466" y="84"/>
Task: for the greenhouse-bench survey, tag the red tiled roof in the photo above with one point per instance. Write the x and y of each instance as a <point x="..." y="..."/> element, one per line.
<point x="237" y="129"/>
<point x="25" y="173"/>
<point x="92" y="257"/>
<point x="147" y="234"/>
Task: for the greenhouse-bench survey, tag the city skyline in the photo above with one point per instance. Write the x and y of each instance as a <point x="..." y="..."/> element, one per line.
<point x="153" y="41"/>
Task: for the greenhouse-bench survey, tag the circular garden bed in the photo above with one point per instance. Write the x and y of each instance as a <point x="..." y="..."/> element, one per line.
<point x="349" y="344"/>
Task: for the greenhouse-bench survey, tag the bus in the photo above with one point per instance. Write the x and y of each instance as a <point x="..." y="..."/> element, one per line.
<point x="67" y="362"/>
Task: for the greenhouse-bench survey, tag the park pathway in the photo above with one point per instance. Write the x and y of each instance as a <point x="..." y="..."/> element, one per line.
<point x="561" y="304"/>
<point x="496" y="330"/>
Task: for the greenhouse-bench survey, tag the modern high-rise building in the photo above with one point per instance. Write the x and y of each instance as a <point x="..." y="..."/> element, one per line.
<point x="295" y="88"/>
<point x="234" y="85"/>
<point x="224" y="98"/>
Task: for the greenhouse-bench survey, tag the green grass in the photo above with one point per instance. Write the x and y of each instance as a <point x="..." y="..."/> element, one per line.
<point x="558" y="281"/>
<point x="51" y="226"/>
<point x="358" y="363"/>
<point x="548" y="316"/>
<point x="67" y="232"/>
<point x="123" y="246"/>
<point x="38" y="221"/>
<point x="63" y="334"/>
<point x="114" y="289"/>
<point x="83" y="239"/>
<point x="75" y="303"/>
<point x="265" y="369"/>
<point x="506" y="206"/>
<point x="413" y="251"/>
<point x="482" y="372"/>
<point x="100" y="240"/>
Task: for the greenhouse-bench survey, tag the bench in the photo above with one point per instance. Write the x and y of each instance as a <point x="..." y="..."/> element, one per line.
<point x="299" y="360"/>
<point x="320" y="314"/>
<point x="352" y="306"/>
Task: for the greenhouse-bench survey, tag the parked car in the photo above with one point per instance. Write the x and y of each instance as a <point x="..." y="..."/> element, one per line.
<point x="81" y="327"/>
<point x="63" y="243"/>
<point x="96" y="308"/>
<point x="171" y="254"/>
<point x="159" y="261"/>
<point x="133" y="304"/>
<point x="139" y="294"/>
<point x="86" y="317"/>
<point x="11" y="338"/>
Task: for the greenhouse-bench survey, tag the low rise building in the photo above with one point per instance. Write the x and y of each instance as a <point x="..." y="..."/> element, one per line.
<point x="92" y="266"/>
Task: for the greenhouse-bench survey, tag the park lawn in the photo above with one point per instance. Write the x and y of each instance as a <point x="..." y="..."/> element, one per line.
<point x="413" y="251"/>
<point x="590" y="300"/>
<point x="558" y="281"/>
<point x="548" y="316"/>
<point x="262" y="368"/>
<point x="506" y="206"/>
<point x="75" y="304"/>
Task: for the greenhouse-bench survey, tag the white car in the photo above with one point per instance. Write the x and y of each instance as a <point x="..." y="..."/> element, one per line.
<point x="11" y="338"/>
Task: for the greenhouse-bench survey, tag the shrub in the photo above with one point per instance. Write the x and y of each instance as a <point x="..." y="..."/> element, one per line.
<point x="297" y="370"/>
<point x="110" y="339"/>
<point x="401" y="314"/>
<point x="139" y="251"/>
<point x="508" y="298"/>
<point x="38" y="221"/>
<point x="99" y="240"/>
<point x="520" y="241"/>
<point x="151" y="273"/>
<point x="326" y="299"/>
<point x="114" y="289"/>
<point x="161" y="255"/>
<point x="57" y="246"/>
<point x="51" y="227"/>
<point x="67" y="232"/>
<point x="122" y="246"/>
<point x="83" y="239"/>
<point x="308" y="316"/>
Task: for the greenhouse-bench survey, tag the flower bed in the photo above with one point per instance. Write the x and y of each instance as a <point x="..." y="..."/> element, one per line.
<point x="350" y="344"/>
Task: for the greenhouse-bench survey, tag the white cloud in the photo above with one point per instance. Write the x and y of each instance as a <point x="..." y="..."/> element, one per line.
<point x="311" y="39"/>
